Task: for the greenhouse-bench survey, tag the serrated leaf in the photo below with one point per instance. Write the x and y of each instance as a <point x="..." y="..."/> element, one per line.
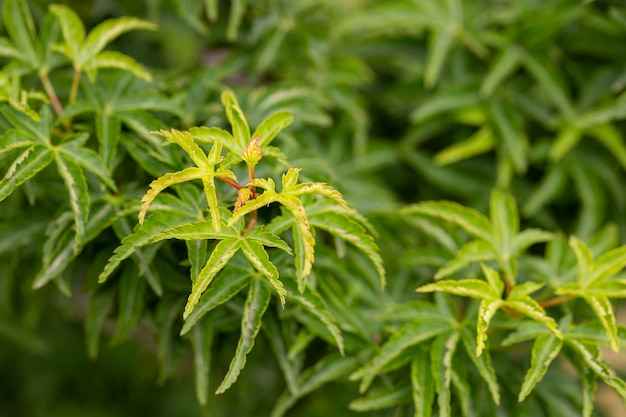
<point x="142" y="235"/>
<point x="271" y="126"/>
<point x="20" y="26"/>
<point x="201" y="342"/>
<point x="89" y="160"/>
<point x="164" y="182"/>
<point x="27" y="165"/>
<point x="107" y="31"/>
<point x="388" y="398"/>
<point x="584" y="258"/>
<point x="76" y="186"/>
<point x="185" y="140"/>
<point x="474" y="251"/>
<point x="237" y="120"/>
<point x="474" y="288"/>
<point x="196" y="253"/>
<point x="608" y="264"/>
<point x="117" y="60"/>
<point x="72" y="28"/>
<point x="486" y="311"/>
<point x="601" y="306"/>
<point x="198" y="230"/>
<point x="219" y="257"/>
<point x="314" y="305"/>
<point x="130" y="305"/>
<point x="213" y="134"/>
<point x="342" y="226"/>
<point x="594" y="363"/>
<point x="98" y="308"/>
<point x="482" y="364"/>
<point x="545" y="349"/>
<point x="108" y="130"/>
<point x="258" y="299"/>
<point x="467" y="218"/>
<point x="225" y="286"/>
<point x="259" y="259"/>
<point x="504" y="217"/>
<point x="422" y="384"/>
<point x="408" y="335"/>
<point x="167" y="311"/>
<point x="529" y="307"/>
<point x="441" y="354"/>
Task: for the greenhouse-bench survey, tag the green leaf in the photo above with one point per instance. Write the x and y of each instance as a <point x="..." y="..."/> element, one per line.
<point x="27" y="165"/>
<point x="482" y="363"/>
<point x="220" y="256"/>
<point x="106" y="32"/>
<point x="237" y="120"/>
<point x="545" y="349"/>
<point x="108" y="129"/>
<point x="474" y="288"/>
<point x="271" y="126"/>
<point x="196" y="253"/>
<point x="113" y="59"/>
<point x="584" y="258"/>
<point x="408" y="335"/>
<point x="529" y="307"/>
<point x="593" y="362"/>
<point x="601" y="306"/>
<point x="131" y="302"/>
<point x="486" y="311"/>
<point x="198" y="230"/>
<point x="89" y="160"/>
<point x="315" y="306"/>
<point x="167" y="311"/>
<point x="72" y="28"/>
<point x="259" y="259"/>
<point x="341" y="225"/>
<point x="98" y="308"/>
<point x="566" y="140"/>
<point x="439" y="44"/>
<point x="469" y="219"/>
<point x="422" y="383"/>
<point x="225" y="286"/>
<point x="164" y="182"/>
<point x="527" y="238"/>
<point x="201" y="341"/>
<point x="504" y="218"/>
<point x="388" y="398"/>
<point x="441" y="354"/>
<point x="512" y="135"/>
<point x="474" y="251"/>
<point x="503" y="67"/>
<point x="142" y="235"/>
<point x="258" y="299"/>
<point x="482" y="141"/>
<point x="76" y="186"/>
<point x="215" y="134"/>
<point x="612" y="139"/>
<point x="20" y="26"/>
<point x="608" y="264"/>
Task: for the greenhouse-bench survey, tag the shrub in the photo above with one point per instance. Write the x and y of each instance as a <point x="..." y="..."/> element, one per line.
<point x="444" y="240"/>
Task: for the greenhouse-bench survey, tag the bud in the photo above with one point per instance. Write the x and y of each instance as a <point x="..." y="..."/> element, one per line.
<point x="243" y="195"/>
<point x="252" y="153"/>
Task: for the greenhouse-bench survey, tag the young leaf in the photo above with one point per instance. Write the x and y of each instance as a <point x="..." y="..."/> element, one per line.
<point x="271" y="126"/>
<point x="258" y="299"/>
<point x="237" y="120"/>
<point x="260" y="260"/>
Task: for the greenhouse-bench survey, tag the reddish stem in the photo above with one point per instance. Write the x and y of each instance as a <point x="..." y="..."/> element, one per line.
<point x="229" y="182"/>
<point x="556" y="301"/>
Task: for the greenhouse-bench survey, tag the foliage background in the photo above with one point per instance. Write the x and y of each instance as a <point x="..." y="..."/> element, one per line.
<point x="394" y="102"/>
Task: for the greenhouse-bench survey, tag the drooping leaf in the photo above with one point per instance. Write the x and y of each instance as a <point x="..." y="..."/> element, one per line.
<point x="422" y="383"/>
<point x="545" y="349"/>
<point x="258" y="299"/>
<point x="441" y="354"/>
<point x="201" y="341"/>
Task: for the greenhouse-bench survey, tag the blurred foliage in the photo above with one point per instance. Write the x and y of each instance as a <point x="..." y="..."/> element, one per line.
<point x="482" y="143"/>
